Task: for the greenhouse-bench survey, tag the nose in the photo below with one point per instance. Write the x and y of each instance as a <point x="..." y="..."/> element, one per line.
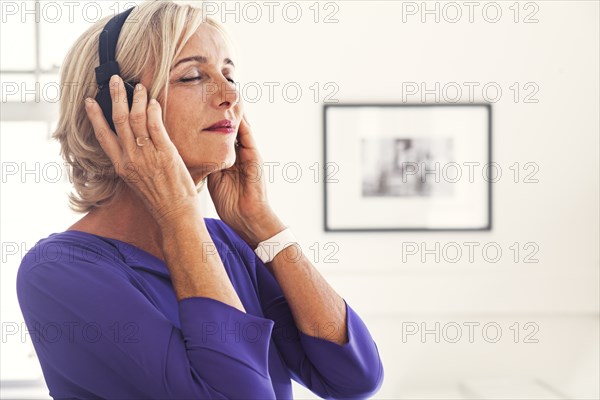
<point x="225" y="96"/>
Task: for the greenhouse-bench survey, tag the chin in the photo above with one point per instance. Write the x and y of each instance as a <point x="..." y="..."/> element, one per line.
<point x="228" y="161"/>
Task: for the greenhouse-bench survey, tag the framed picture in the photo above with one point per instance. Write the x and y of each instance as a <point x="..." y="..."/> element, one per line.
<point x="407" y="167"/>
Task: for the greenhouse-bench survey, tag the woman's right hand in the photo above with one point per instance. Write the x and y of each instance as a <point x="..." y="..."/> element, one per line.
<point x="155" y="171"/>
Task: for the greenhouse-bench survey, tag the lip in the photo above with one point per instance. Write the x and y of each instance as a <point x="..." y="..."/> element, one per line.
<point x="223" y="126"/>
<point x="225" y="130"/>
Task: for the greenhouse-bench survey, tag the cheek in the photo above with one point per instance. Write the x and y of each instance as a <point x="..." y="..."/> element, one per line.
<point x="239" y="109"/>
<point x="182" y="120"/>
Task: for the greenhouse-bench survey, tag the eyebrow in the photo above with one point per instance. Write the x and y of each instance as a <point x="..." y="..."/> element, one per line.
<point x="200" y="59"/>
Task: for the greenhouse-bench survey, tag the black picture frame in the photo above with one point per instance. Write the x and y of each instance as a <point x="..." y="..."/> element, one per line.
<point x="327" y="224"/>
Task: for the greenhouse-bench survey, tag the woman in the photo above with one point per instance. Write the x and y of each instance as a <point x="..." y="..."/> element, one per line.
<point x="144" y="297"/>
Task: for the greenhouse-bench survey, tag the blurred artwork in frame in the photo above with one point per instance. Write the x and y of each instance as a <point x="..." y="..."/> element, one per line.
<point x="402" y="166"/>
<point x="407" y="167"/>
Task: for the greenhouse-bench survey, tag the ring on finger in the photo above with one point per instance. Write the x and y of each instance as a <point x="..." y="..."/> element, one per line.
<point x="141" y="141"/>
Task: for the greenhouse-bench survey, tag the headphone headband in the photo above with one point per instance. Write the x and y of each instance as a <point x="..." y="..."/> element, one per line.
<point x="108" y="47"/>
<point x="109" y="66"/>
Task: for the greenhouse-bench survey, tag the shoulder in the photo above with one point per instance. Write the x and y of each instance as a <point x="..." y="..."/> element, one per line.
<point x="228" y="242"/>
<point x="219" y="228"/>
<point x="220" y="232"/>
<point x="71" y="250"/>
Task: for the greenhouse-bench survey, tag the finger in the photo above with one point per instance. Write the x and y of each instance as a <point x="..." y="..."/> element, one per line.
<point x="245" y="136"/>
<point x="156" y="128"/>
<point x="137" y="116"/>
<point x="105" y="136"/>
<point x="120" y="110"/>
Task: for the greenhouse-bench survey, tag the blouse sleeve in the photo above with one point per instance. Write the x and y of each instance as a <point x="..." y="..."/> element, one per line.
<point x="96" y="330"/>
<point x="330" y="370"/>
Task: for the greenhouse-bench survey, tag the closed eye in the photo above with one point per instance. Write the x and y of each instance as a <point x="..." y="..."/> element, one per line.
<point x="197" y="78"/>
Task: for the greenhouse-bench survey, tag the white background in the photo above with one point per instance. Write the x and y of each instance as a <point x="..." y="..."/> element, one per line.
<point x="369" y="54"/>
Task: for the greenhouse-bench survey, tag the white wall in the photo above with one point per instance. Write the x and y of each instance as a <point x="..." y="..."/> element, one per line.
<point x="369" y="54"/>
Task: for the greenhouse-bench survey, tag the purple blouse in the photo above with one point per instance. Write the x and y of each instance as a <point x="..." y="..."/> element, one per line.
<point x="105" y="323"/>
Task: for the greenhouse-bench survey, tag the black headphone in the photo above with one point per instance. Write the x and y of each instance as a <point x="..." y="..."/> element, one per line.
<point x="109" y="66"/>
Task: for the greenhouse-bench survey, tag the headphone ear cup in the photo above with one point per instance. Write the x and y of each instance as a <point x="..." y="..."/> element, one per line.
<point x="104" y="99"/>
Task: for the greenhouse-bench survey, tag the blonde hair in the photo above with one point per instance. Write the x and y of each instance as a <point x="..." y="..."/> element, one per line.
<point x="154" y="34"/>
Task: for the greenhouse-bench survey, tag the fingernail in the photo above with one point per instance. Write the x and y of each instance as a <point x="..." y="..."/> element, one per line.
<point x="114" y="79"/>
<point x="138" y="87"/>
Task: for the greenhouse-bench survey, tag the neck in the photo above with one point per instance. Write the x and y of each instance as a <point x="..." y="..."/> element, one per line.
<point x="126" y="219"/>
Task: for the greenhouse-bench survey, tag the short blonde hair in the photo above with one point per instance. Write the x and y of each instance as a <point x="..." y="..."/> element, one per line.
<point x="154" y="34"/>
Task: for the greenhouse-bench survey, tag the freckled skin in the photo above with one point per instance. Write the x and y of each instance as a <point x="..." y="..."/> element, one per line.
<point x="195" y="105"/>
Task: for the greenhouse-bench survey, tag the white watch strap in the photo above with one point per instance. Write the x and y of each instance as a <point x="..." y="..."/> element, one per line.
<point x="268" y="249"/>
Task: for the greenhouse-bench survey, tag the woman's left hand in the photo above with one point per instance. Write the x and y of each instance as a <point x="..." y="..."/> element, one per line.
<point x="240" y="194"/>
